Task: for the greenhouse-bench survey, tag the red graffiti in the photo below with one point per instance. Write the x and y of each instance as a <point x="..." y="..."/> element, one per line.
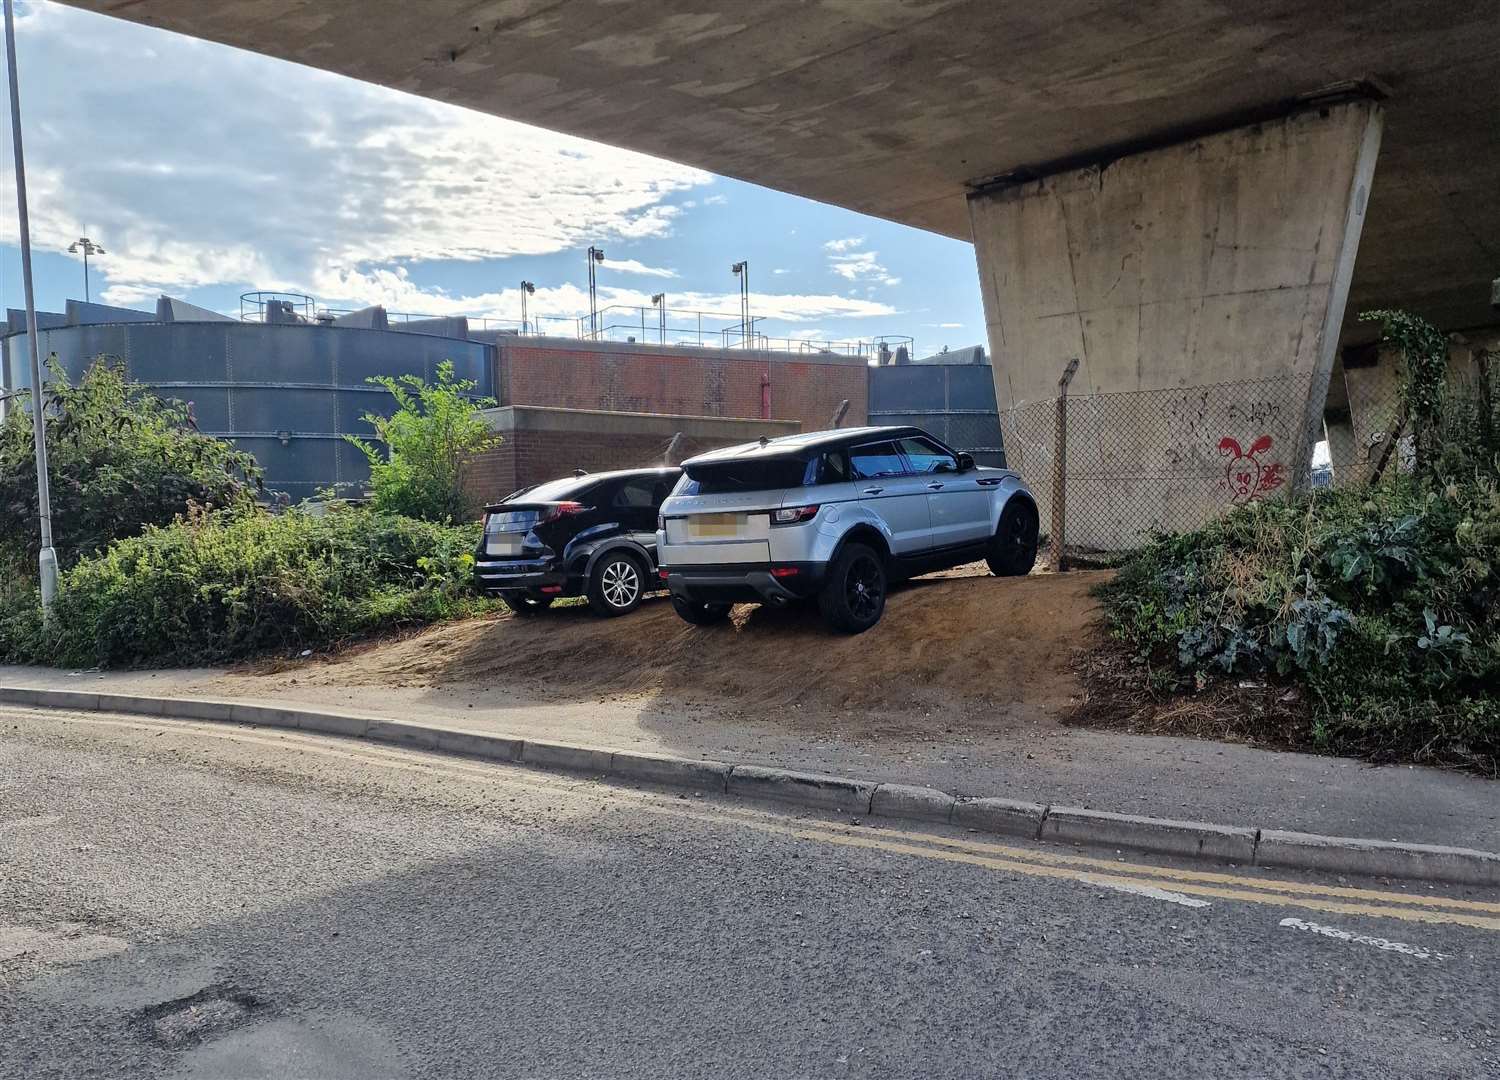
<point x="1246" y="475"/>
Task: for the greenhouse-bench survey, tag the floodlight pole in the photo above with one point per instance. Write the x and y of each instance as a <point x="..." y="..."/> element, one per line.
<point x="88" y="247"/>
<point x="596" y="255"/>
<point x="47" y="559"/>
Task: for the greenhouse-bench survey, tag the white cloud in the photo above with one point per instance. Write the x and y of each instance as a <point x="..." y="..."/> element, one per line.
<point x="715" y="200"/>
<point x="780" y="270"/>
<point x="950" y="326"/>
<point x="282" y="177"/>
<point x="631" y="266"/>
<point x="851" y="264"/>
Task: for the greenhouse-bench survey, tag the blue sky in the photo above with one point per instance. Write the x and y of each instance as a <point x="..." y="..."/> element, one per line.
<point x="206" y="172"/>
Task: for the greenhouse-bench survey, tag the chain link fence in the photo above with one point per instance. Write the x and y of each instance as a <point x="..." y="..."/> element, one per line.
<point x="1109" y="469"/>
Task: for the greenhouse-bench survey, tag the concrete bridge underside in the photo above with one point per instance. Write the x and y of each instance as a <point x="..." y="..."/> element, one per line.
<point x="1178" y="193"/>
<point x="898" y="107"/>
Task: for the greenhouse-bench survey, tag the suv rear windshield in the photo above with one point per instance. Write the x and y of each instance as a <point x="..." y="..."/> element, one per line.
<point x="572" y="488"/>
<point x="728" y="477"/>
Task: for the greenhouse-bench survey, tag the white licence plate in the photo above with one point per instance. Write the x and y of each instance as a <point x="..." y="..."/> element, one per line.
<point x="717" y="526"/>
<point x="503" y="545"/>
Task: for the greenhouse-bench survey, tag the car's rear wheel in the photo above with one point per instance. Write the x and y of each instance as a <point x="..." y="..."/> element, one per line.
<point x="617" y="583"/>
<point x="523" y="603"/>
<point x="1013" y="550"/>
<point x="700" y="614"/>
<point x="853" y="597"/>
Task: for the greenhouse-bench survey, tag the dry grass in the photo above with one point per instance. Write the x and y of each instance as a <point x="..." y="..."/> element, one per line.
<point x="1117" y="697"/>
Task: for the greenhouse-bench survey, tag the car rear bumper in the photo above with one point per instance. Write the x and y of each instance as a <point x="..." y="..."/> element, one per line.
<point x="517" y="575"/>
<point x="754" y="583"/>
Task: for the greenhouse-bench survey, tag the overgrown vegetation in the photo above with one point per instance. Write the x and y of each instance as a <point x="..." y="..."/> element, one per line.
<point x="168" y="559"/>
<point x="434" y="430"/>
<point x="120" y="459"/>
<point x="221" y="586"/>
<point x="1376" y="608"/>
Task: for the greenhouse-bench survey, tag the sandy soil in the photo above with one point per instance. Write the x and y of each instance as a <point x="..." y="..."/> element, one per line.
<point x="997" y="651"/>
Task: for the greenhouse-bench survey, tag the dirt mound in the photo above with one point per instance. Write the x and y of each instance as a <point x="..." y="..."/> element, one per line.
<point x="1005" y="646"/>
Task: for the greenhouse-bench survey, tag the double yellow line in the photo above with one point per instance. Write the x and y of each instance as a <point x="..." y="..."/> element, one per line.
<point x="988" y="855"/>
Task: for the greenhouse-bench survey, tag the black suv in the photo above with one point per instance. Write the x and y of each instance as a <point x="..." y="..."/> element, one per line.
<point x="592" y="534"/>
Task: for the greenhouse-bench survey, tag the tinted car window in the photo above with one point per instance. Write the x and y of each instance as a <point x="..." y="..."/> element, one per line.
<point x="727" y="477"/>
<point x="571" y="489"/>
<point x="833" y="468"/>
<point x="637" y="494"/>
<point x="927" y="457"/>
<point x="875" y="460"/>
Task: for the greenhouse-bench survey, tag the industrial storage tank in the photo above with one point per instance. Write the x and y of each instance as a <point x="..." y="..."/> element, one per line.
<point x="286" y="391"/>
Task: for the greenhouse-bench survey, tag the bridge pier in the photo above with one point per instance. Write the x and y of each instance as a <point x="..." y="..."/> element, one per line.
<point x="1224" y="259"/>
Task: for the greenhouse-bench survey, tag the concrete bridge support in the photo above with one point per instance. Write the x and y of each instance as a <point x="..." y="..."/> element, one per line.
<point x="1221" y="260"/>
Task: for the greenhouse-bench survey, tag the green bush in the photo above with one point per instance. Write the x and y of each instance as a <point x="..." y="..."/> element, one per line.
<point x="434" y="431"/>
<point x="1383" y="603"/>
<point x="119" y="458"/>
<point x="214" y="587"/>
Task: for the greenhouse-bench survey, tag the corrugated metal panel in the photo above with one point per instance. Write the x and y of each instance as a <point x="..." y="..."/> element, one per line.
<point x="954" y="402"/>
<point x="251" y="382"/>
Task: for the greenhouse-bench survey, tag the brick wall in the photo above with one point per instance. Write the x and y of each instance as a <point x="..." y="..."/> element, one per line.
<point x="691" y="382"/>
<point x="544" y="444"/>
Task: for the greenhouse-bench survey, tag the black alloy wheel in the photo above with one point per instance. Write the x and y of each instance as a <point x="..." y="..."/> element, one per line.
<point x="1013" y="550"/>
<point x="853" y="598"/>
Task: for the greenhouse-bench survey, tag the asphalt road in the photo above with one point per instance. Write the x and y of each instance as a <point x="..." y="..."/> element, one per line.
<point x="195" y="901"/>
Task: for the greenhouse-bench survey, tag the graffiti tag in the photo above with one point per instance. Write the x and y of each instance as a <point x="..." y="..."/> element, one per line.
<point x="1247" y="476"/>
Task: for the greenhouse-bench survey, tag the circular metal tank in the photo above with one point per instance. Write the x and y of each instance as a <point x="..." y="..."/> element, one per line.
<point x="286" y="393"/>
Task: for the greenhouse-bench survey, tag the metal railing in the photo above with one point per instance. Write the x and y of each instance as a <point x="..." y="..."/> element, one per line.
<point x="643" y="324"/>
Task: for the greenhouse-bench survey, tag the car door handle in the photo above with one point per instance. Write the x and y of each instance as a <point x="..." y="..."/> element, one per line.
<point x="873" y="490"/>
<point x="935" y="486"/>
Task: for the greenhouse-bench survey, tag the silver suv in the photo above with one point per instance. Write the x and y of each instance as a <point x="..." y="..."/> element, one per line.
<point x="835" y="515"/>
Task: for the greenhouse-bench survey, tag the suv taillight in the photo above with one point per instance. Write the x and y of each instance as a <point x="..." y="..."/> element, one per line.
<point x="562" y="509"/>
<point x="793" y="515"/>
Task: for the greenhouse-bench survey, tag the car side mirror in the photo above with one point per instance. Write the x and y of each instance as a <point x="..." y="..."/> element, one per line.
<point x="965" y="462"/>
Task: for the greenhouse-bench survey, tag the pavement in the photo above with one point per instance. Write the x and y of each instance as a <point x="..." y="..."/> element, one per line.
<point x="195" y="901"/>
<point x="1199" y="780"/>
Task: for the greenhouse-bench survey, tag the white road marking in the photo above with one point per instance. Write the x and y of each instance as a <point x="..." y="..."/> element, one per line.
<point x="1149" y="890"/>
<point x="1364" y="939"/>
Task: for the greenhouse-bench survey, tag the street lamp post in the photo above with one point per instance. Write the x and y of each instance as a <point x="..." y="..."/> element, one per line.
<point x="527" y="289"/>
<point x="47" y="558"/>
<point x="660" y="300"/>
<point x="742" y="271"/>
<point x="88" y="247"/>
<point x="596" y="255"/>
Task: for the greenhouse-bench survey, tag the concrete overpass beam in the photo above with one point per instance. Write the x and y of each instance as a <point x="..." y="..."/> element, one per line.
<point x="1223" y="259"/>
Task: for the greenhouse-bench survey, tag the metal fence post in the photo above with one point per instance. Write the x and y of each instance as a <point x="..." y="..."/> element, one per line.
<point x="1060" y="466"/>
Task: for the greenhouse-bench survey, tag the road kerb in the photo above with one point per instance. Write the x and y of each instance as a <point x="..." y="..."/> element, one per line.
<point x="1194" y="839"/>
<point x="550" y="755"/>
<point x="1006" y="817"/>
<point x="1198" y="840"/>
<point x="265" y="715"/>
<point x="668" y="770"/>
<point x="403" y="733"/>
<point x="1377" y="858"/>
<point x="480" y="744"/>
<point x="804" y="789"/>
<point x="912" y="803"/>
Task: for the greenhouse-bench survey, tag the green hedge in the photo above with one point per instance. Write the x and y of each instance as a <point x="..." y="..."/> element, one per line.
<point x="213" y="588"/>
<point x="1384" y="604"/>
